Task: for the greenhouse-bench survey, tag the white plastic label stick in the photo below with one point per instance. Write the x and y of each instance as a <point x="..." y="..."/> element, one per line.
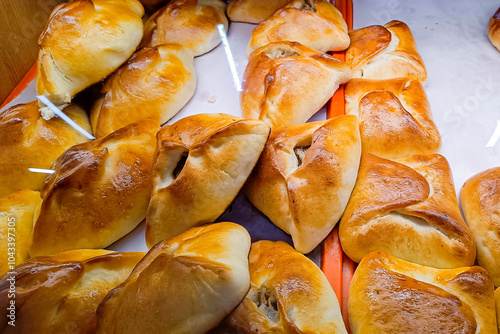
<point x="495" y="136"/>
<point x="229" y="55"/>
<point x="65" y="118"/>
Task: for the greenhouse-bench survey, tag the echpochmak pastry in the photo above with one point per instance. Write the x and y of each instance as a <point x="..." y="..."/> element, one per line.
<point x="201" y="163"/>
<point x="187" y="284"/>
<point x="316" y="24"/>
<point x="288" y="294"/>
<point x="99" y="192"/>
<point x="494" y="30"/>
<point x="155" y="83"/>
<point x="407" y="208"/>
<point x="29" y="141"/>
<point x="480" y="201"/>
<point x="190" y="23"/>
<point x="83" y="42"/>
<point x="60" y="293"/>
<point x="395" y="118"/>
<point x="385" y="52"/>
<point x="305" y="177"/>
<point x="17" y="216"/>
<point x="388" y="295"/>
<point x="286" y="83"/>
<point x="253" y="11"/>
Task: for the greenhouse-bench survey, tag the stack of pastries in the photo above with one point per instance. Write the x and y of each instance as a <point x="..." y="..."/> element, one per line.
<point x="289" y="75"/>
<point x="403" y="221"/>
<point x="375" y="171"/>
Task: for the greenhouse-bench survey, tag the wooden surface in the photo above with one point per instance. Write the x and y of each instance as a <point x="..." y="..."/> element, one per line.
<point x="21" y="22"/>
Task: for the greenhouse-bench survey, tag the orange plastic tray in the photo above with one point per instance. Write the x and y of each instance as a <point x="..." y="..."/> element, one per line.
<point x="21" y="86"/>
<point x="337" y="267"/>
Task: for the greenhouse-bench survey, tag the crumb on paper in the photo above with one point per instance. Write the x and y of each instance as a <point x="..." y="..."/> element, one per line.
<point x="211" y="99"/>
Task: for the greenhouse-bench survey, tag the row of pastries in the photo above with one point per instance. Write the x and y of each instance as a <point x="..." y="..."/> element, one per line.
<point x="376" y="170"/>
<point x="403" y="202"/>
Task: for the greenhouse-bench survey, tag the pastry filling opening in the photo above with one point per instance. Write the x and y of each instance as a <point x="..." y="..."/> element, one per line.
<point x="306" y="5"/>
<point x="281" y="53"/>
<point x="180" y="164"/>
<point x="267" y="303"/>
<point x="300" y="153"/>
<point x="176" y="160"/>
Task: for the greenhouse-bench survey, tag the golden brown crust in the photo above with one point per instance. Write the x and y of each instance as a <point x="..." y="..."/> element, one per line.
<point x="286" y="83"/>
<point x="253" y="11"/>
<point x="18" y="212"/>
<point x="395" y="117"/>
<point x="413" y="200"/>
<point x="220" y="152"/>
<point x="190" y="23"/>
<point x="29" y="141"/>
<point x="388" y="295"/>
<point x="494" y="30"/>
<point x="480" y="201"/>
<point x="187" y="284"/>
<point x="288" y="294"/>
<point x="305" y="193"/>
<point x="60" y="293"/>
<point x="386" y="52"/>
<point x="155" y="83"/>
<point x="99" y="192"/>
<point x="366" y="43"/>
<point x="83" y="42"/>
<point x="316" y="24"/>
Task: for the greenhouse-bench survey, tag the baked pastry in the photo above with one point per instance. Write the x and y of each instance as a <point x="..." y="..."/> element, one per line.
<point x="28" y="141"/>
<point x="83" y="42"/>
<point x="253" y="11"/>
<point x="305" y="176"/>
<point x="395" y="119"/>
<point x="313" y="23"/>
<point x="190" y="23"/>
<point x="480" y="201"/>
<point x="413" y="201"/>
<point x="187" y="284"/>
<point x="388" y="295"/>
<point x="60" y="293"/>
<point x="99" y="192"/>
<point x="276" y="304"/>
<point x="155" y="83"/>
<point x="17" y="215"/>
<point x="494" y="30"/>
<point x="201" y="163"/>
<point x="385" y="52"/>
<point x="286" y="83"/>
